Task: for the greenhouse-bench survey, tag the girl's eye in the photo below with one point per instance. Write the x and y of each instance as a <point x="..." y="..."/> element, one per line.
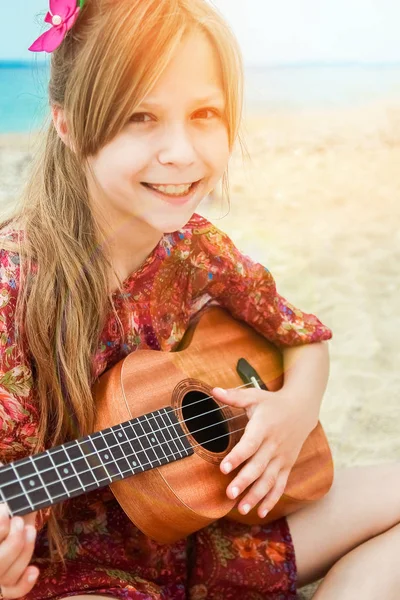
<point x="139" y="117"/>
<point x="213" y="111"/>
<point x="135" y="118"/>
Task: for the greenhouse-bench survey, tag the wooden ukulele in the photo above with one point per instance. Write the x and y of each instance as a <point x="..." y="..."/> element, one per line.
<point x="156" y="419"/>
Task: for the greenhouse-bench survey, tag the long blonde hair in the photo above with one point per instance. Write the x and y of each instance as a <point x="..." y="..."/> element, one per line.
<point x="108" y="62"/>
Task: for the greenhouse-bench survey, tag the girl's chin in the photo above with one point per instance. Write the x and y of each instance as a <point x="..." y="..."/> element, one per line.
<point x="167" y="221"/>
<point x="170" y="226"/>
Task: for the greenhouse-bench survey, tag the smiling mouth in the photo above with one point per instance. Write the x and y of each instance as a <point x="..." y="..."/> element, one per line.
<point x="172" y="194"/>
<point x="147" y="184"/>
<point x="174" y="198"/>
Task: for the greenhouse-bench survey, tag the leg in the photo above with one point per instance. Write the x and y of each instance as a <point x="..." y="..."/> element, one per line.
<point x="371" y="569"/>
<point x="362" y="503"/>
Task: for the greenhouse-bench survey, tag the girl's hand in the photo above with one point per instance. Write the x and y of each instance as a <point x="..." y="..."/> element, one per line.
<point x="17" y="543"/>
<point x="271" y="443"/>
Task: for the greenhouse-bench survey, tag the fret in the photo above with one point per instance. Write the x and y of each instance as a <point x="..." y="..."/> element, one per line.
<point x="38" y="494"/>
<point x="81" y="465"/>
<point x="71" y="462"/>
<point x="135" y="439"/>
<point x="142" y="430"/>
<point x="156" y="443"/>
<point x="55" y="486"/>
<point x="118" y="453"/>
<point x="116" y="462"/>
<point x="50" y="477"/>
<point x="93" y="461"/>
<point x="104" y="453"/>
<point x="181" y="437"/>
<point x="22" y="485"/>
<point x="161" y="448"/>
<point x="127" y="448"/>
<point x="64" y="469"/>
<point x="12" y="490"/>
<point x="30" y="483"/>
<point x="38" y="490"/>
<point x="166" y="430"/>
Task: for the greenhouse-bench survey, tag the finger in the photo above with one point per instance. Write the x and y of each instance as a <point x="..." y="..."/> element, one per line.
<point x="253" y="470"/>
<point x="247" y="446"/>
<point x="11" y="547"/>
<point x="260" y="488"/>
<point x="22" y="561"/>
<point x="274" y="495"/>
<point x="23" y="585"/>
<point x="4" y="521"/>
<point x="242" y="398"/>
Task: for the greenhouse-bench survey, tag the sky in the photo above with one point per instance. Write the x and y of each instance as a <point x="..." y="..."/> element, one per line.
<point x="269" y="32"/>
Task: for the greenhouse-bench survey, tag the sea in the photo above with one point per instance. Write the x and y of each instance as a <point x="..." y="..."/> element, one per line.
<point x="24" y="103"/>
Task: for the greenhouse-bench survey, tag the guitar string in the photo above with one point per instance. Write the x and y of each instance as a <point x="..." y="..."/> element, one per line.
<point x="138" y="437"/>
<point x="144" y="450"/>
<point x="167" y="427"/>
<point x="153" y="464"/>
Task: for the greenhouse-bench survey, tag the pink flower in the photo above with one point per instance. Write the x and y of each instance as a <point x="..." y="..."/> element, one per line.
<point x="62" y="16"/>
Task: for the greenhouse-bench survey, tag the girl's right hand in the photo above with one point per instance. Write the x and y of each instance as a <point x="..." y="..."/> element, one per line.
<point x="17" y="543"/>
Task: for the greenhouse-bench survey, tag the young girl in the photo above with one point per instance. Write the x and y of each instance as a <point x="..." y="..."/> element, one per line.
<point x="106" y="255"/>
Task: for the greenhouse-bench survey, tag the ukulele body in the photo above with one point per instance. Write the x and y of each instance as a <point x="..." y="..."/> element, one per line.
<point x="172" y="501"/>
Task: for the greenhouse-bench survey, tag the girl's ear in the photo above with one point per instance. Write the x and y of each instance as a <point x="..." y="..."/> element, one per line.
<point x="60" y="124"/>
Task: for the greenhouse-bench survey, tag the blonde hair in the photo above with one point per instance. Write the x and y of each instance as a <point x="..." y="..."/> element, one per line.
<point x="108" y="62"/>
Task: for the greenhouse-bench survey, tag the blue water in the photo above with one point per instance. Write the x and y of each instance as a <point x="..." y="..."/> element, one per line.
<point x="23" y="96"/>
<point x="23" y="89"/>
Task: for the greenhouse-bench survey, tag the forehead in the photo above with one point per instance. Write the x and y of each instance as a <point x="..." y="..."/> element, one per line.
<point x="193" y="74"/>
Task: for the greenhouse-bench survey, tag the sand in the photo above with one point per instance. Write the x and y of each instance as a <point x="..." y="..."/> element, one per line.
<point x="319" y="205"/>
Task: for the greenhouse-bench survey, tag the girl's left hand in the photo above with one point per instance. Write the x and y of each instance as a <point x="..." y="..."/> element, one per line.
<point x="271" y="442"/>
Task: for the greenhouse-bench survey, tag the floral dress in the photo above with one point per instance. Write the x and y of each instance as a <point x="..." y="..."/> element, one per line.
<point x="106" y="553"/>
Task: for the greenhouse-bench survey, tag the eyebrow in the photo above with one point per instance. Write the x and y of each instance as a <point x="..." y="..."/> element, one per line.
<point x="213" y="99"/>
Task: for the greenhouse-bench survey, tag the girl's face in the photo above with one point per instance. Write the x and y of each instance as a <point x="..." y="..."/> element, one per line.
<point x="178" y="135"/>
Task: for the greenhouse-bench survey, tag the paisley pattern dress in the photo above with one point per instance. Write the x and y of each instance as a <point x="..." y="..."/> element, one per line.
<point x="106" y="554"/>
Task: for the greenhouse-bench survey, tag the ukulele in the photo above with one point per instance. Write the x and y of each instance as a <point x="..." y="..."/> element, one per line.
<point x="160" y="437"/>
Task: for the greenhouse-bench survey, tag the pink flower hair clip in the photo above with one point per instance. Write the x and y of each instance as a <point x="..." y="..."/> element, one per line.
<point x="62" y="16"/>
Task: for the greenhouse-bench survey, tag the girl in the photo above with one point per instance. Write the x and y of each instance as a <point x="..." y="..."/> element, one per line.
<point x="105" y="255"/>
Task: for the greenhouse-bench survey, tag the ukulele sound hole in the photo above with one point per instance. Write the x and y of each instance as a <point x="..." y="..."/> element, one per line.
<point x="208" y="428"/>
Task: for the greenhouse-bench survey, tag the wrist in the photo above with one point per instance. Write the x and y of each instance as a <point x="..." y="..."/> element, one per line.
<point x="306" y="406"/>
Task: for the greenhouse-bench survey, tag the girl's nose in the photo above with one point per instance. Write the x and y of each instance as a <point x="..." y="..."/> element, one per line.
<point x="177" y="147"/>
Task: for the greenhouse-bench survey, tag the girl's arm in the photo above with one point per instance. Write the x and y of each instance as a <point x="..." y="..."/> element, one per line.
<point x="306" y="372"/>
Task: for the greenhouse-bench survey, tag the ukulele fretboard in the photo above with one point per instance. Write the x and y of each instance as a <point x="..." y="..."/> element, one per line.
<point x="93" y="461"/>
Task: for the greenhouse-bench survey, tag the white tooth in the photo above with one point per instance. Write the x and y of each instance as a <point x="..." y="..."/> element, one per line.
<point x="173" y="189"/>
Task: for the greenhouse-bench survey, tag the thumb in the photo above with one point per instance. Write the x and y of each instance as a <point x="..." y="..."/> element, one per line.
<point x="241" y="398"/>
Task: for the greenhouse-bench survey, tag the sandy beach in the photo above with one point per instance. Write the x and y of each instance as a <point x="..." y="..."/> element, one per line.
<point x="319" y="205"/>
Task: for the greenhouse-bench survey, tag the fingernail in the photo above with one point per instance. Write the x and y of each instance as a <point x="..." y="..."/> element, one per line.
<point x="226" y="467"/>
<point x="17" y="524"/>
<point x="32" y="576"/>
<point x="245" y="508"/>
<point x="234" y="492"/>
<point x="264" y="513"/>
<point x="220" y="391"/>
<point x="30" y="534"/>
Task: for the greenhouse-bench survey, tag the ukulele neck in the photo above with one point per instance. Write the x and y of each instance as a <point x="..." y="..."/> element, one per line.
<point x="93" y="461"/>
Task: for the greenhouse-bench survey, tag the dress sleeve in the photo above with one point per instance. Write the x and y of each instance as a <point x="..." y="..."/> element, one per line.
<point x="247" y="290"/>
<point x="18" y="412"/>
